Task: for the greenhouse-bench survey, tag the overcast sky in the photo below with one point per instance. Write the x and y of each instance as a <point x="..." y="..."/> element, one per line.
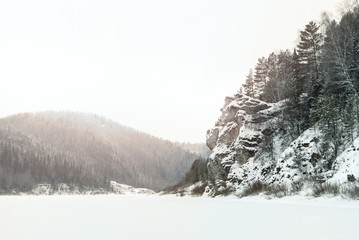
<point x="160" y="66"/>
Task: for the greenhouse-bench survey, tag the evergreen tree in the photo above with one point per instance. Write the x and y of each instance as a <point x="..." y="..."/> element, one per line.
<point x="285" y="73"/>
<point x="308" y="56"/>
<point x="297" y="79"/>
<point x="296" y="110"/>
<point x="308" y="49"/>
<point x="271" y="89"/>
<point x="260" y="78"/>
<point x="329" y="119"/>
<point x="249" y="85"/>
<point x="279" y="73"/>
<point x="349" y="121"/>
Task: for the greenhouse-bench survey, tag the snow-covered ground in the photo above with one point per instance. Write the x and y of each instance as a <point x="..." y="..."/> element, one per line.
<point x="170" y="217"/>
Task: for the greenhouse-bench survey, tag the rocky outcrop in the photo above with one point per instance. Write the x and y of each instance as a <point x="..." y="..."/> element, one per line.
<point x="250" y="142"/>
<point x="239" y="133"/>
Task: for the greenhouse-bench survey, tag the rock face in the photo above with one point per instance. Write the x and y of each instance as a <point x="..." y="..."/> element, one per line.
<point x="250" y="142"/>
<point x="238" y="136"/>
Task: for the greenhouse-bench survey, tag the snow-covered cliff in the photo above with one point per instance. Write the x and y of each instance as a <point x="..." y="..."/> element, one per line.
<point x="251" y="143"/>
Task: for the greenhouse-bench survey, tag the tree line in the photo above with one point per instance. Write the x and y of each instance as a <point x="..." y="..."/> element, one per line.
<point x="318" y="80"/>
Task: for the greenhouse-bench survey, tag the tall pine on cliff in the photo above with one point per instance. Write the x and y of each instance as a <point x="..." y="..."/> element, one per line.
<point x="321" y="78"/>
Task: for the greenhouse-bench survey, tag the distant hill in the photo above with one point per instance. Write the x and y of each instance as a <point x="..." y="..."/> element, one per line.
<point x="84" y="150"/>
<point x="200" y="149"/>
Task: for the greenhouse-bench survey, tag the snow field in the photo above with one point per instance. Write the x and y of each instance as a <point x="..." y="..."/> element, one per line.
<point x="170" y="217"/>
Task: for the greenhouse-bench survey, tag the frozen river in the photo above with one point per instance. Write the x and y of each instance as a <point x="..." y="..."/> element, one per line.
<point x="169" y="217"/>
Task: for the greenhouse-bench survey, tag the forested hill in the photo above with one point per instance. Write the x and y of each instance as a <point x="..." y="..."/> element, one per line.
<point x="84" y="150"/>
<point x="198" y="148"/>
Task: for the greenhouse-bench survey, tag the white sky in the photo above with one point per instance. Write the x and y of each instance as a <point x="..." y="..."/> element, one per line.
<point x="160" y="66"/>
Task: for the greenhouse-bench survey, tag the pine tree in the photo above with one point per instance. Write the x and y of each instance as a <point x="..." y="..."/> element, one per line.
<point x="249" y="84"/>
<point x="329" y="119"/>
<point x="308" y="49"/>
<point x="296" y="107"/>
<point x="308" y="56"/>
<point x="285" y="73"/>
<point x="271" y="89"/>
<point x="297" y="79"/>
<point x="348" y="117"/>
<point x="260" y="78"/>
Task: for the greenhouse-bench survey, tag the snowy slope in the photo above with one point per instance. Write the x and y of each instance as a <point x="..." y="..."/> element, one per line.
<point x="347" y="164"/>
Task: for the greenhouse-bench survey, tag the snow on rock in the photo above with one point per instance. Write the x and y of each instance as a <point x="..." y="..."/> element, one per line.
<point x="300" y="159"/>
<point x="346" y="166"/>
<point x="42" y="189"/>
<point x="250" y="143"/>
<point x="127" y="189"/>
<point x="64" y="189"/>
<point x="238" y="136"/>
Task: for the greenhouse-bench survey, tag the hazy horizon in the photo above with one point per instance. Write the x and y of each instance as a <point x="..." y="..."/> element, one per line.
<point x="160" y="67"/>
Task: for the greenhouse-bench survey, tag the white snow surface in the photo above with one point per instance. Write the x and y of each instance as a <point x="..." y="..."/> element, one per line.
<point x="127" y="189"/>
<point x="135" y="216"/>
<point x="347" y="164"/>
<point x="64" y="189"/>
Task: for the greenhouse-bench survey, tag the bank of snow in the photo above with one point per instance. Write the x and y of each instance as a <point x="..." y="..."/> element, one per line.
<point x="168" y="217"/>
<point x="65" y="189"/>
